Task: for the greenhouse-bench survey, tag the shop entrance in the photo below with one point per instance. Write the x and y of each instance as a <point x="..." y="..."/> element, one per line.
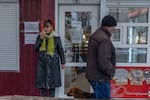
<point x="76" y="24"/>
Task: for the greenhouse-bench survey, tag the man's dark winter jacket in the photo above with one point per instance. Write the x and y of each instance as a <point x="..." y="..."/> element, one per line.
<point x="101" y="59"/>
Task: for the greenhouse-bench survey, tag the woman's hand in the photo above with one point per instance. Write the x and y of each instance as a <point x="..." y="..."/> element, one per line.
<point x="42" y="34"/>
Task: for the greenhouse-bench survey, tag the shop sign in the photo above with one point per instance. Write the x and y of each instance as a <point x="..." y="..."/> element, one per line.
<point x="131" y="82"/>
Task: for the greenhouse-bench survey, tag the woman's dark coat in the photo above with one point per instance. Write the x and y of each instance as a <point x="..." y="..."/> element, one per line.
<point x="48" y="68"/>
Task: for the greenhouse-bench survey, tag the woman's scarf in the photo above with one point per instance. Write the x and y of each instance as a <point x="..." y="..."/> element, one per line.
<point x="50" y="47"/>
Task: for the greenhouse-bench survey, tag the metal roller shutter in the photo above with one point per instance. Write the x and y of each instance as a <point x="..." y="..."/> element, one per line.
<point x="9" y="36"/>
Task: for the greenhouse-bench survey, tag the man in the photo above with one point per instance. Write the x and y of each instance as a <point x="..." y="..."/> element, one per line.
<point x="101" y="59"/>
<point x="50" y="50"/>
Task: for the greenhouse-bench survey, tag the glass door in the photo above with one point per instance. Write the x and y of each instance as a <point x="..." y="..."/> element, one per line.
<point x="76" y="24"/>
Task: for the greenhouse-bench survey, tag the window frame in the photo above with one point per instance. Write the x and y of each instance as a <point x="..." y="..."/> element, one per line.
<point x="123" y="43"/>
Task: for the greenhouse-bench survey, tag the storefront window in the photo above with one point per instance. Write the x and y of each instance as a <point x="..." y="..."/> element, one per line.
<point x="129" y="14"/>
<point x="77" y="33"/>
<point x="132" y="38"/>
<point x="116" y="36"/>
<point x="137" y="35"/>
<point x="75" y="77"/>
<point x="131" y="55"/>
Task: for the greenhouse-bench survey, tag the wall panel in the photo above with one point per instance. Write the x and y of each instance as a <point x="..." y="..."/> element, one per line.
<point x="23" y="82"/>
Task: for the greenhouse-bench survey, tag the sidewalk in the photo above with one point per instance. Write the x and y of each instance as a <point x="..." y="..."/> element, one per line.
<point x="20" y="97"/>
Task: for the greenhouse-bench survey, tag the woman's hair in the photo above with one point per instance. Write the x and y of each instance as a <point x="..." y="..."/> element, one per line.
<point x="47" y="23"/>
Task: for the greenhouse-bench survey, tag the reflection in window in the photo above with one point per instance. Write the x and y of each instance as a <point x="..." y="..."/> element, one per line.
<point x="131" y="55"/>
<point x="130" y="14"/>
<point x="116" y="36"/>
<point x="77" y="33"/>
<point x="137" y="35"/>
<point x="75" y="76"/>
<point x="76" y="52"/>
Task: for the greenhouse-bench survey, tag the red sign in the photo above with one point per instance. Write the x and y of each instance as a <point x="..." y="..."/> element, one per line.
<point x="135" y="85"/>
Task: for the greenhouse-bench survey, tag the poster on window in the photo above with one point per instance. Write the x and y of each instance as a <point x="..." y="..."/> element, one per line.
<point x="131" y="82"/>
<point x="76" y="35"/>
<point x="76" y="24"/>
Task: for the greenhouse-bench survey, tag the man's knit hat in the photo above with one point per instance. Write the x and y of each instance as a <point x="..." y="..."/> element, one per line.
<point x="109" y="21"/>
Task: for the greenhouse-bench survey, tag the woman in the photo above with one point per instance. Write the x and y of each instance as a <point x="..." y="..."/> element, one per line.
<point x="50" y="50"/>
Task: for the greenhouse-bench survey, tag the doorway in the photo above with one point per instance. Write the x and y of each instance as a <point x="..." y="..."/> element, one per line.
<point x="76" y="24"/>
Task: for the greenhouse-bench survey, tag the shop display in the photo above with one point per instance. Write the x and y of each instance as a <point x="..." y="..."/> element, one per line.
<point x="147" y="76"/>
<point x="121" y="76"/>
<point x="136" y="77"/>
